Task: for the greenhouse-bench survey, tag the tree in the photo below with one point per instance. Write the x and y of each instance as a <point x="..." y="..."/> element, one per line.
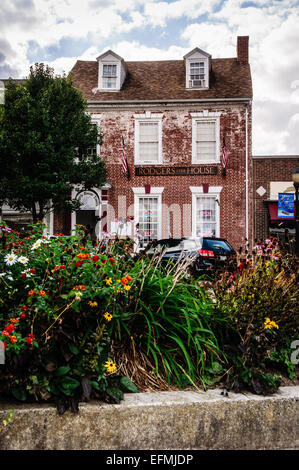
<point x="45" y="138"/>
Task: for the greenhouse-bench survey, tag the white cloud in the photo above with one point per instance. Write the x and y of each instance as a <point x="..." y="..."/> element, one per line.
<point x="272" y="27"/>
<point x="157" y="13"/>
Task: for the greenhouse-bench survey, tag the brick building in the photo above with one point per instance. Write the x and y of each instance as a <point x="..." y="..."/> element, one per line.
<point x="272" y="174"/>
<point x="173" y="116"/>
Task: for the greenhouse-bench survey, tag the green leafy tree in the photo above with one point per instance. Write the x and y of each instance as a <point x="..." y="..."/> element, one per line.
<point x="45" y="141"/>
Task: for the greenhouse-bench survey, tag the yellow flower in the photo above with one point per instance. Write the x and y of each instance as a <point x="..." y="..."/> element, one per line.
<point x="268" y="324"/>
<point x="110" y="366"/>
<point x="93" y="304"/>
<point x="108" y="281"/>
<point x="108" y="316"/>
<point x="127" y="287"/>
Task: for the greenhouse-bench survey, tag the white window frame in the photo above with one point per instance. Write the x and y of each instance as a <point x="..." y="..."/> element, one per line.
<point x="213" y="191"/>
<point x="140" y="192"/>
<point x="148" y="117"/>
<point x="117" y="77"/>
<point x="201" y="117"/>
<point x="206" y="74"/>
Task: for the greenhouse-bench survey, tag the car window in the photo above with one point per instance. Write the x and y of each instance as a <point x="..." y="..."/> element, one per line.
<point x="216" y="245"/>
<point x="188" y="245"/>
<point x="171" y="244"/>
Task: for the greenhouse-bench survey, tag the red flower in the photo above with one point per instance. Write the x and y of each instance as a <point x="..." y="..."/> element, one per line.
<point x="31" y="293"/>
<point x="13" y="339"/>
<point x="23" y="316"/>
<point x="24" y="308"/>
<point x="62" y="266"/>
<point x="32" y="271"/>
<point x="10" y="328"/>
<point x="5" y="345"/>
<point x="42" y="293"/>
<point x="95" y="258"/>
<point x="31" y="336"/>
<point x="78" y="264"/>
<point x="29" y="340"/>
<point x="24" y="275"/>
<point x="112" y="261"/>
<point x="124" y="281"/>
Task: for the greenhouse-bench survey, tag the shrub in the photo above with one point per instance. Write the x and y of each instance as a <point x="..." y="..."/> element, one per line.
<point x="78" y="320"/>
<point x="259" y="306"/>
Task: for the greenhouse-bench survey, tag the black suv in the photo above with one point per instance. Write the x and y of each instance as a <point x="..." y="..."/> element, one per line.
<point x="209" y="254"/>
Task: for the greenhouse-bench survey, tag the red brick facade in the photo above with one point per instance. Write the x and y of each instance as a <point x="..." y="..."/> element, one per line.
<point x="266" y="170"/>
<point x="228" y="97"/>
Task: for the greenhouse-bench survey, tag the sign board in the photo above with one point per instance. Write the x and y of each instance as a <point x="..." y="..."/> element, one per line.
<point x="285" y="205"/>
<point x="176" y="171"/>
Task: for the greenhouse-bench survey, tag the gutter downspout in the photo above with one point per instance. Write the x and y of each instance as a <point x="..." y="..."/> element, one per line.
<point x="246" y="176"/>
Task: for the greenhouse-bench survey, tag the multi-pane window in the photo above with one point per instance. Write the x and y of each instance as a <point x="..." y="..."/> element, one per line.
<point x="197" y="74"/>
<point x="205" y="141"/>
<point x="148" y="141"/>
<point x="95" y="149"/>
<point x="109" y="75"/>
<point x="147" y="220"/>
<point x="206" y="220"/>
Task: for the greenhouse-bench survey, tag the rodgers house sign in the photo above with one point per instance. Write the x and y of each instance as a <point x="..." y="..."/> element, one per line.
<point x="176" y="171"/>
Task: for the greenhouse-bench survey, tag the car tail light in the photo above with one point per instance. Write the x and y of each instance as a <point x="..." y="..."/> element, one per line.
<point x="206" y="253"/>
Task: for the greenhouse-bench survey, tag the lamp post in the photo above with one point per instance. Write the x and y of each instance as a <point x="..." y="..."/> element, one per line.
<point x="296" y="185"/>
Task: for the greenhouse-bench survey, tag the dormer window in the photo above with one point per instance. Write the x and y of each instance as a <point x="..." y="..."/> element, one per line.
<point x="197" y="66"/>
<point x="197" y="75"/>
<point x="112" y="72"/>
<point x="109" y="75"/>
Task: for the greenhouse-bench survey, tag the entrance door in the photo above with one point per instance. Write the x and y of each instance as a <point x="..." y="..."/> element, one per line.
<point x="87" y="218"/>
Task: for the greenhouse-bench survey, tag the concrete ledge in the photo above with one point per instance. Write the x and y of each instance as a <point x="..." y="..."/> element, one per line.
<point x="158" y="421"/>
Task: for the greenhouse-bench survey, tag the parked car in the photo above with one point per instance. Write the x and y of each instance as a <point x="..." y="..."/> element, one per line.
<point x="209" y="254"/>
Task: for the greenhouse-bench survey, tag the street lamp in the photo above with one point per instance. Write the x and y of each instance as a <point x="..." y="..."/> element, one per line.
<point x="296" y="185"/>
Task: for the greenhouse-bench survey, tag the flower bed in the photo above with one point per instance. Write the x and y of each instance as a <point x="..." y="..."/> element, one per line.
<point x="78" y="320"/>
<point x="259" y="308"/>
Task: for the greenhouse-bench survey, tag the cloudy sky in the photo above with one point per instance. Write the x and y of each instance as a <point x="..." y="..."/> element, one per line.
<point x="59" y="32"/>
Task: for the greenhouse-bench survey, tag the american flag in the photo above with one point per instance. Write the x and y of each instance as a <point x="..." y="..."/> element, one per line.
<point x="224" y="154"/>
<point x="124" y="160"/>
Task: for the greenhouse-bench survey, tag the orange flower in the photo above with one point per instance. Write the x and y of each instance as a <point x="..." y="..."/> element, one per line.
<point x="31" y="293"/>
<point x="81" y="287"/>
<point x="13" y="339"/>
<point x="129" y="278"/>
<point x="5" y="333"/>
<point x="14" y="320"/>
<point x="42" y="293"/>
<point x="124" y="281"/>
<point x="83" y="255"/>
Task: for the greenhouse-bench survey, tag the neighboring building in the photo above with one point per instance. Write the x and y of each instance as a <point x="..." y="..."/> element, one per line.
<point x="272" y="174"/>
<point x="173" y="116"/>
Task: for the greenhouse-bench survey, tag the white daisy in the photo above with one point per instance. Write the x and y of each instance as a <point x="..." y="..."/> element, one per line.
<point x="2" y="274"/>
<point x="37" y="244"/>
<point x="10" y="259"/>
<point x="23" y="259"/>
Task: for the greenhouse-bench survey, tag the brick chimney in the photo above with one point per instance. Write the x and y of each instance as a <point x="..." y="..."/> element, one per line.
<point x="242" y="49"/>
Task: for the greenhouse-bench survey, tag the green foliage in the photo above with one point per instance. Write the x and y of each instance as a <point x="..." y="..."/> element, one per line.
<point x="259" y="306"/>
<point x="45" y="135"/>
<point x="54" y="319"/>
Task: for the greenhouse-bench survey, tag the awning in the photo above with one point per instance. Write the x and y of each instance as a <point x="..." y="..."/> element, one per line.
<point x="273" y="213"/>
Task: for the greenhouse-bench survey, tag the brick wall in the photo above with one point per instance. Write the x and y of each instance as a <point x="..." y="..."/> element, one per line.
<point x="177" y="151"/>
<point x="266" y="170"/>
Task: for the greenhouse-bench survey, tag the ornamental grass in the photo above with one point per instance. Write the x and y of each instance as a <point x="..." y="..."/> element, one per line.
<point x="79" y="321"/>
